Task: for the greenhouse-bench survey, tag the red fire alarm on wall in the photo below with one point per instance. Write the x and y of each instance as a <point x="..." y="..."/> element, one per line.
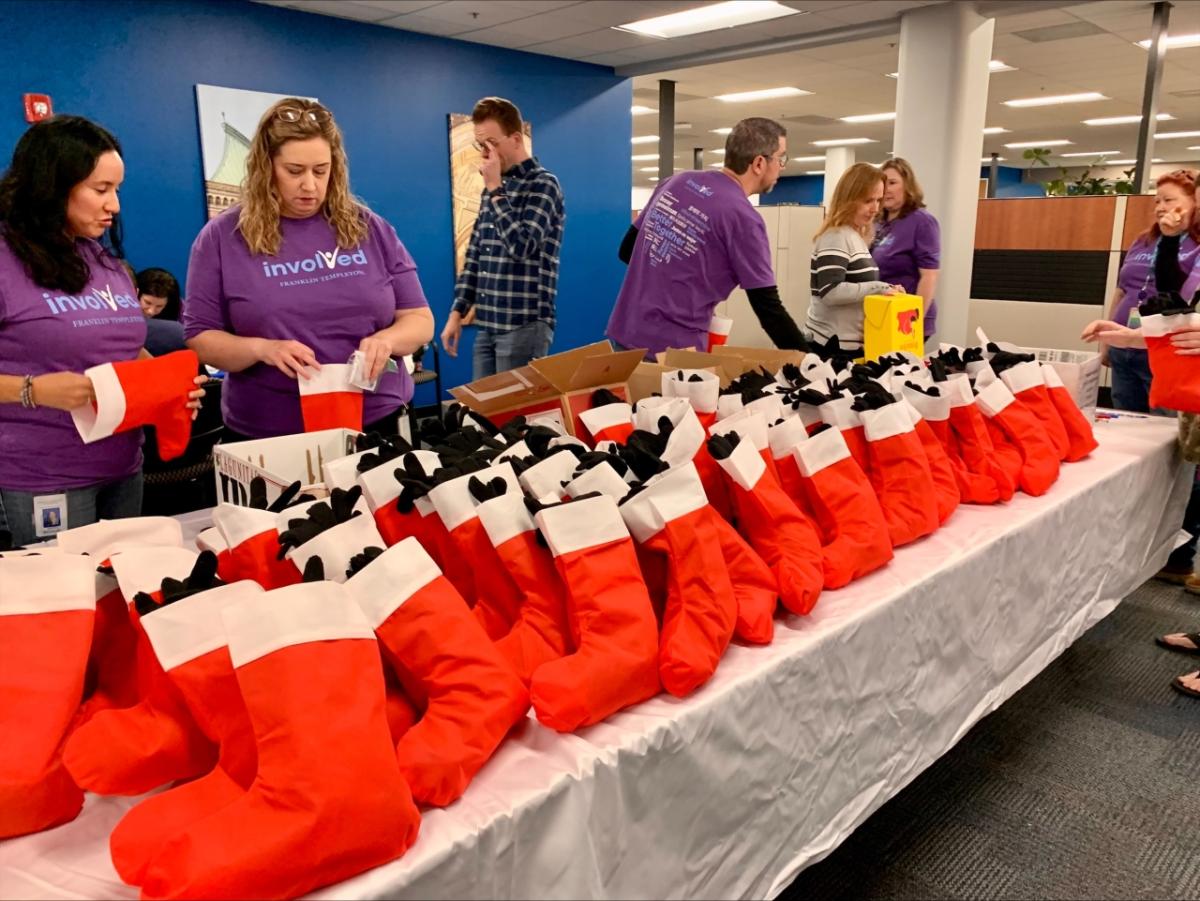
<point x="38" y="107"/>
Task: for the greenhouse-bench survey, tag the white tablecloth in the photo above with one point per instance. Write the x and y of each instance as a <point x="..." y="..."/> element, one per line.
<point x="734" y="790"/>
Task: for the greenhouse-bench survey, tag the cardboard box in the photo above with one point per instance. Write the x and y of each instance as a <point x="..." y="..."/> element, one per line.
<point x="893" y="322"/>
<point x="1080" y="372"/>
<point x="279" y="461"/>
<point x="561" y="382"/>
<point x="746" y="359"/>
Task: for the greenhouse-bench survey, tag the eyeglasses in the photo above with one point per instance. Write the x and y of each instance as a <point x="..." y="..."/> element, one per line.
<point x="781" y="158"/>
<point x="489" y="144"/>
<point x="317" y="115"/>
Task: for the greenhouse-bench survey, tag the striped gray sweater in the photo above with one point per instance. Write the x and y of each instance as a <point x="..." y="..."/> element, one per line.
<point x="843" y="273"/>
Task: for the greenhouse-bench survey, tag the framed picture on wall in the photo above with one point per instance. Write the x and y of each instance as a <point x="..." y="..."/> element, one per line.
<point x="466" y="184"/>
<point x="228" y="118"/>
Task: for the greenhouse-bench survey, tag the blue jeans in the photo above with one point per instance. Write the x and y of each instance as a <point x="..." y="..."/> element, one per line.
<point x="111" y="500"/>
<point x="502" y="351"/>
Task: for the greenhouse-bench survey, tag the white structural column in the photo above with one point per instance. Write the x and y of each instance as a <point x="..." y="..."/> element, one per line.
<point x="837" y="161"/>
<point x="941" y="100"/>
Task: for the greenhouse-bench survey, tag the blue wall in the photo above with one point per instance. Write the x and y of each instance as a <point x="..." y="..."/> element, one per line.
<point x="133" y="65"/>
<point x="1009" y="184"/>
<point x="804" y="189"/>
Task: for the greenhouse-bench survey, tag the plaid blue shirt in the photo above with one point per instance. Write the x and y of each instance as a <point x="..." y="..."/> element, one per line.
<point x="511" y="271"/>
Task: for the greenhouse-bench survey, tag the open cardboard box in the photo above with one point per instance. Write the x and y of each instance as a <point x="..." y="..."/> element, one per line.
<point x="560" y="384"/>
<point x="279" y="461"/>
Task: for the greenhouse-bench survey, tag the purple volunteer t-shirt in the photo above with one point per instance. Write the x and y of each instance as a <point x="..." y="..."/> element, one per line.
<point x="1136" y="279"/>
<point x="698" y="239"/>
<point x="313" y="292"/>
<point x="902" y="247"/>
<point x="45" y="330"/>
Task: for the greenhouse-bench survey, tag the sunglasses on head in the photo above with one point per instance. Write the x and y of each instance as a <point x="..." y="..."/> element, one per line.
<point x="317" y="115"/>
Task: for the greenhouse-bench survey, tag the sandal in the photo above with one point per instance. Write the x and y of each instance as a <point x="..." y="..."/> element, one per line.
<point x="1183" y="689"/>
<point x="1193" y="637"/>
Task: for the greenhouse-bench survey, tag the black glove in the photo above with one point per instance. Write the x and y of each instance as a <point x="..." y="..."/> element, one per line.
<point x="792" y="373"/>
<point x="359" y="562"/>
<point x="514" y="430"/>
<point x="203" y="577"/>
<point x="972" y="355"/>
<point x="875" y="397"/>
<point x="6" y="541"/>
<point x="602" y="397"/>
<point x="489" y="490"/>
<point x="1004" y="360"/>
<point x="314" y="570"/>
<point x="592" y="459"/>
<point x="931" y="391"/>
<point x="385" y="452"/>
<point x="321" y="517"/>
<point x="415" y="484"/>
<point x="721" y="446"/>
<point x="291" y="495"/>
<point x="538" y="439"/>
<point x="950" y="359"/>
<point x="937" y="369"/>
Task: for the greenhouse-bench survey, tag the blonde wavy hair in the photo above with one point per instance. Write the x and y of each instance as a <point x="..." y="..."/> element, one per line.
<point x="853" y="188"/>
<point x="258" y="220"/>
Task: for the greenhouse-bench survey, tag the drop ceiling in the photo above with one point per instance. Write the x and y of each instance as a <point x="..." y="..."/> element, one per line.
<point x="1056" y="47"/>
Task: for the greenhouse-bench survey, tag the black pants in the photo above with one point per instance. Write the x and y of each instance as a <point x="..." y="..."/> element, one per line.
<point x="386" y="425"/>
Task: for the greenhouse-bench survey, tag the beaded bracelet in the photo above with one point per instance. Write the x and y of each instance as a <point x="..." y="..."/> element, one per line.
<point x="27" y="393"/>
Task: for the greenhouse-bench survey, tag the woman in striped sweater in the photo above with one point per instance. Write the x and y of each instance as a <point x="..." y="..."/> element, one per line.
<point x="843" y="272"/>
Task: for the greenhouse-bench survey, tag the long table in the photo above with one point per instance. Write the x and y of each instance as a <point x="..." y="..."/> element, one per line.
<point x="732" y="791"/>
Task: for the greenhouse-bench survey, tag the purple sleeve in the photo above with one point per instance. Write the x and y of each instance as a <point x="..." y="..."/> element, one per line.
<point x="400" y="266"/>
<point x="927" y="244"/>
<point x="204" y="302"/>
<point x="750" y="252"/>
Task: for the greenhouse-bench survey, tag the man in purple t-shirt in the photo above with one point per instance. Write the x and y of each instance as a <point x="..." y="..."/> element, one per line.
<point x="699" y="238"/>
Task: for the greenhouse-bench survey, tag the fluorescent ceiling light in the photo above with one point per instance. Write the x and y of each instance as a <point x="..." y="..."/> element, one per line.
<point x="1129" y="162"/>
<point x="1126" y="120"/>
<point x="764" y="94"/>
<point x="1053" y="99"/>
<point x="655" y="178"/>
<point x="993" y="66"/>
<point x="995" y="130"/>
<point x="842" y="142"/>
<point x="721" y="131"/>
<point x="716" y="165"/>
<point x="642" y="110"/>
<point x="1178" y="40"/>
<point x="1167" y="135"/>
<point x="815" y="172"/>
<point x="648" y="169"/>
<point x="869" y="117"/>
<point x="709" y="17"/>
<point x="639" y="157"/>
<point x="1094" y="153"/>
<point x="682" y="126"/>
<point x="807" y="159"/>
<point x="988" y="159"/>
<point x="720" y="151"/>
<point x="1197" y="147"/>
<point x="1054" y="143"/>
<point x="645" y="139"/>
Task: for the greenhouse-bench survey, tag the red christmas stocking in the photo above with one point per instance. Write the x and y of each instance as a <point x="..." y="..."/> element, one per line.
<point x="838" y="413"/>
<point x="1175" y="385"/>
<point x="945" y="482"/>
<point x="138" y="393"/>
<point x="719" y="328"/>
<point x="253" y="539"/>
<point x="540" y="633"/>
<point x="1028" y="386"/>
<point x="671" y="517"/>
<point x="329" y="401"/>
<point x="156" y="741"/>
<point x="102" y="539"/>
<point x="446" y="662"/>
<point x="686" y="445"/>
<point x="701" y="389"/>
<point x="900" y="474"/>
<point x="382" y="490"/>
<point x="338" y="546"/>
<point x="784" y="437"/>
<point x="1079" y="431"/>
<point x="212" y="540"/>
<point x="772" y="523"/>
<point x="545" y="480"/>
<point x="495" y="598"/>
<point x="309" y="672"/>
<point x="189" y="641"/>
<point x="1039" y="459"/>
<point x="610" y="422"/>
<point x="615" y="664"/>
<point x="755" y="588"/>
<point x="47" y="611"/>
<point x="973" y="488"/>
<point x="974" y="438"/>
<point x="841" y="495"/>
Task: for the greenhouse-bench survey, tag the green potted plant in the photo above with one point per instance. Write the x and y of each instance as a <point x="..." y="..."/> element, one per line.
<point x="1086" y="184"/>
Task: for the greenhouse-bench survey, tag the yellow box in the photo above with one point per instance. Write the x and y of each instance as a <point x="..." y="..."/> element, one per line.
<point x="893" y="322"/>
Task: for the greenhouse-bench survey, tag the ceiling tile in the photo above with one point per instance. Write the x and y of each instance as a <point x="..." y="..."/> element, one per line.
<point x="427" y="25"/>
<point x="511" y="36"/>
<point x="472" y="14"/>
<point x="343" y="9"/>
<point x="399" y="7"/>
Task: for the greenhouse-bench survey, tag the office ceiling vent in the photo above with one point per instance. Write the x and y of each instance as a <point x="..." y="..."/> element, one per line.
<point x="1060" y="32"/>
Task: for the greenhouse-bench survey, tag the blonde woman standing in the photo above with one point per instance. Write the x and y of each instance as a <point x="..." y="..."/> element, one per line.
<point x="842" y="270"/>
<point x="298" y="274"/>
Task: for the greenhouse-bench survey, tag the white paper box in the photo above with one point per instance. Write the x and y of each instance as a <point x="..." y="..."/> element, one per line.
<point x="1080" y="372"/>
<point x="280" y="461"/>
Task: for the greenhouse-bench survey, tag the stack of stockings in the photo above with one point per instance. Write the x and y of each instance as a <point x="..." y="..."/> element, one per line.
<point x="315" y="670"/>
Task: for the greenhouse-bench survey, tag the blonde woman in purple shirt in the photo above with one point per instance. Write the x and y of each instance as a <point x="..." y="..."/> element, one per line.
<point x="301" y="273"/>
<point x="908" y="244"/>
<point x="66" y="304"/>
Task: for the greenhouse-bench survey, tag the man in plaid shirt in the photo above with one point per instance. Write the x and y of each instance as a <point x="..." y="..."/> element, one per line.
<point x="510" y="277"/>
